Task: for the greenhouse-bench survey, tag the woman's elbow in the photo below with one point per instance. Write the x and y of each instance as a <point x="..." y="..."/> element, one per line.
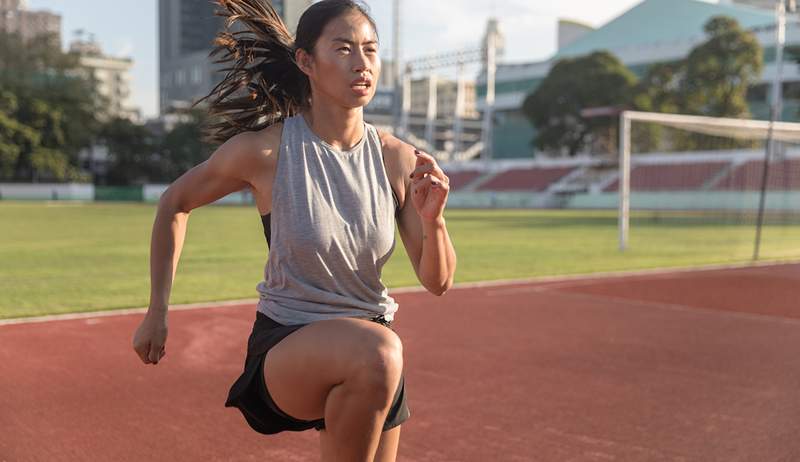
<point x="438" y="283"/>
<point x="440" y="289"/>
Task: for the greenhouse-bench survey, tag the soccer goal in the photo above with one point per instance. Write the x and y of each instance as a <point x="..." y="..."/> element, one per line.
<point x="695" y="171"/>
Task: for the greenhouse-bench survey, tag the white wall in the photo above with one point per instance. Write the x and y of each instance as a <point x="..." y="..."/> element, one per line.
<point x="153" y="192"/>
<point x="47" y="191"/>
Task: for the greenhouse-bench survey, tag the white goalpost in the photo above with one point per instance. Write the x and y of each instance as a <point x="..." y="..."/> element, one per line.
<point x="774" y="170"/>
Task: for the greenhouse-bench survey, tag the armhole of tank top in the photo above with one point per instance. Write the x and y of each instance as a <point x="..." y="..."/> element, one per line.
<point x="396" y="201"/>
<point x="289" y="124"/>
<point x="266" y="220"/>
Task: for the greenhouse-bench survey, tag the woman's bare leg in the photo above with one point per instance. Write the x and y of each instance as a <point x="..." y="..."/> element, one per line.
<point x="345" y="370"/>
<point x="387" y="447"/>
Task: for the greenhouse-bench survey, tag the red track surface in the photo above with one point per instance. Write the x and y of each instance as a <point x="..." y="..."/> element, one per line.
<point x="680" y="367"/>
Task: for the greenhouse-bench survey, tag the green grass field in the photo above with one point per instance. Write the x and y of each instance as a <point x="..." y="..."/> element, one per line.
<point x="69" y="257"/>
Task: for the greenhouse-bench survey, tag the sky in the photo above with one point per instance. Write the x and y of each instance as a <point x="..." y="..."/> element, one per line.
<point x="129" y="28"/>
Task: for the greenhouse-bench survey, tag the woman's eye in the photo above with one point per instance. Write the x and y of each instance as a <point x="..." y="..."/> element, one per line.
<point x="343" y="49"/>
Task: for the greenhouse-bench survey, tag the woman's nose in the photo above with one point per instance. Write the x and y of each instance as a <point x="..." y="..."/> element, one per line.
<point x="359" y="63"/>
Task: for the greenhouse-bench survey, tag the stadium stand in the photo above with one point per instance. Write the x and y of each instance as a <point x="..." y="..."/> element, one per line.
<point x="525" y="179"/>
<point x="672" y="177"/>
<point x="460" y="179"/>
<point x="784" y="175"/>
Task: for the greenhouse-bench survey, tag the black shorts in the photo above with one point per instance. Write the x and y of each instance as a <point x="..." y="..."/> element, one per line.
<point x="249" y="393"/>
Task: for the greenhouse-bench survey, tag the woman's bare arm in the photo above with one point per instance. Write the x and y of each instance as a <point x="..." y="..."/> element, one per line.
<point x="421" y="222"/>
<point x="224" y="172"/>
<point x="232" y="167"/>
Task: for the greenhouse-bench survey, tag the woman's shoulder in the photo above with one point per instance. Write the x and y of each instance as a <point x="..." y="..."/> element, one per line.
<point x="249" y="154"/>
<point x="266" y="141"/>
<point x="400" y="161"/>
<point x="397" y="152"/>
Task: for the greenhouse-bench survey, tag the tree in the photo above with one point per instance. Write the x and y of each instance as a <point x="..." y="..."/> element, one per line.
<point x="62" y="108"/>
<point x="132" y="149"/>
<point x="712" y="80"/>
<point x="24" y="150"/>
<point x="184" y="147"/>
<point x="718" y="74"/>
<point x="137" y="155"/>
<point x="719" y="71"/>
<point x="659" y="88"/>
<point x="554" y="108"/>
<point x="14" y="138"/>
<point x="657" y="91"/>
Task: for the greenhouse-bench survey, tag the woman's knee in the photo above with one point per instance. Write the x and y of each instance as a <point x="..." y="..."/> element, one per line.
<point x="379" y="366"/>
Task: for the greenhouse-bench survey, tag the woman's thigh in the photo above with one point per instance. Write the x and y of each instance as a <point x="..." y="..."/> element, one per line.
<point x="303" y="367"/>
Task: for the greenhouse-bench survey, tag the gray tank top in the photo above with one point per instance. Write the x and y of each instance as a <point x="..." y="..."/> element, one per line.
<point x="332" y="228"/>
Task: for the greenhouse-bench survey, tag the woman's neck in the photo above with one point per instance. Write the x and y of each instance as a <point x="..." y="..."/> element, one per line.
<point x="341" y="128"/>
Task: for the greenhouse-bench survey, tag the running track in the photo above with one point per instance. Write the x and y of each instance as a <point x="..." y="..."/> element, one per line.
<point x="679" y="366"/>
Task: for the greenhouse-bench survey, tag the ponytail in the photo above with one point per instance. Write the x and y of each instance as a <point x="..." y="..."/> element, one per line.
<point x="262" y="83"/>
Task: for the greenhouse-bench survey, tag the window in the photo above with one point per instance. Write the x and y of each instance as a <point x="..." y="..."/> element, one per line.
<point x="197" y="75"/>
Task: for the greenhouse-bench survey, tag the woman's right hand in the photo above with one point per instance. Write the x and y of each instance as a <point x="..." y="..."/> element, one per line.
<point x="150" y="338"/>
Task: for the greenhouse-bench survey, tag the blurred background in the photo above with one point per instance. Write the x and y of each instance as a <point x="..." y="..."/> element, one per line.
<point x="523" y="102"/>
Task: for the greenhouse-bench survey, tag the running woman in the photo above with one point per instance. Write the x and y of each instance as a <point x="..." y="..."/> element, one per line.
<point x="330" y="190"/>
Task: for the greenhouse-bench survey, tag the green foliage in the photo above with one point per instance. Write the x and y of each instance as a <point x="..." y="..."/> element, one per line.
<point x="31" y="152"/>
<point x="554" y="108"/>
<point x="139" y="155"/>
<point x="719" y="71"/>
<point x="14" y="137"/>
<point x="131" y="149"/>
<point x="44" y="94"/>
<point x="183" y="148"/>
<point x="50" y="110"/>
<point x="713" y="80"/>
<point x="658" y="90"/>
<point x="53" y="166"/>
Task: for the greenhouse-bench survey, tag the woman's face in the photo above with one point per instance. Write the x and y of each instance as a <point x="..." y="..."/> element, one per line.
<point x="345" y="66"/>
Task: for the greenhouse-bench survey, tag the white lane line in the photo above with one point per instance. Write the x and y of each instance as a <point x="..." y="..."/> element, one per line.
<point x="567" y="280"/>
<point x="560" y="282"/>
<point x="122" y="312"/>
<point x="769" y="318"/>
<point x="591" y="277"/>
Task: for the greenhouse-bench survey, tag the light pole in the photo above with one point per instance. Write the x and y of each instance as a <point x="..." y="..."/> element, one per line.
<point x="398" y="70"/>
<point x="781" y="7"/>
<point x="488" y="111"/>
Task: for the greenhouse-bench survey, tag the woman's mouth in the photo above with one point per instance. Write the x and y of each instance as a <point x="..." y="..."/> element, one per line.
<point x="361" y="88"/>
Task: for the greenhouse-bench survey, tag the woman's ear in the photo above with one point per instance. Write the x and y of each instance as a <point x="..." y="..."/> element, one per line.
<point x="303" y="60"/>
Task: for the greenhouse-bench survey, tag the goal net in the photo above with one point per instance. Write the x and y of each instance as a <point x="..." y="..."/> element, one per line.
<point x="716" y="182"/>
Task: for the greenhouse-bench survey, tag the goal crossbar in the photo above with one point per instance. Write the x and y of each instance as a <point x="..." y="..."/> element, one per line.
<point x="721" y="126"/>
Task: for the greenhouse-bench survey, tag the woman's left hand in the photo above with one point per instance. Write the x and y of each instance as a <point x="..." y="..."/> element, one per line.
<point x="429" y="187"/>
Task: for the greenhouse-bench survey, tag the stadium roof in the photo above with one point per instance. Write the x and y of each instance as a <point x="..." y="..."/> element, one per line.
<point x="654" y="21"/>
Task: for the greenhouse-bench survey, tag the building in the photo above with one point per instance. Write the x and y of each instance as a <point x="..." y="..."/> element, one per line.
<point x="186" y="33"/>
<point x="446" y="97"/>
<point x="765" y="4"/>
<point x="111" y="76"/>
<point x="15" y="18"/>
<point x="653" y="31"/>
<point x="570" y="31"/>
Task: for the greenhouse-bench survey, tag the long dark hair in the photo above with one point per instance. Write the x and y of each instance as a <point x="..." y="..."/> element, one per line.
<point x="263" y="84"/>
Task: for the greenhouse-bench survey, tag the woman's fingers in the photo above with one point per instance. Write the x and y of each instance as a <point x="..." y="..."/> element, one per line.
<point x="143" y="351"/>
<point x="426" y="165"/>
<point x="423" y="185"/>
<point x="150" y="339"/>
<point x="156" y="353"/>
